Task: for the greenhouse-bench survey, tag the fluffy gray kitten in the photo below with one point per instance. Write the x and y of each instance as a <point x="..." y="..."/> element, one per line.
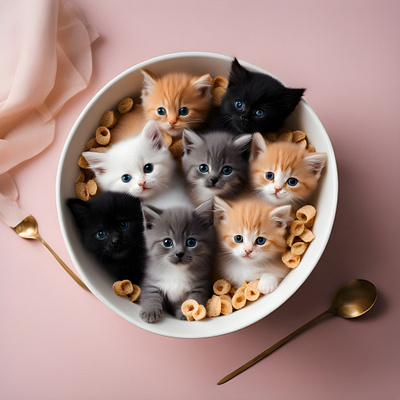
<point x="215" y="164"/>
<point x="181" y="247"/>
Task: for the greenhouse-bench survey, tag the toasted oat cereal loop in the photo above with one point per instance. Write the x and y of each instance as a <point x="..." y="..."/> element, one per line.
<point x="251" y="292"/>
<point x="92" y="187"/>
<point x="307" y="236"/>
<point x="200" y="313"/>
<point x="226" y="297"/>
<point x="134" y="296"/>
<point x="213" y="306"/>
<point x="226" y="307"/>
<point x="297" y="228"/>
<point x="81" y="191"/>
<point x="103" y="136"/>
<point x="108" y="119"/>
<point x="125" y="105"/>
<point x="299" y="248"/>
<point x="306" y="214"/>
<point x="298" y="136"/>
<point x="189" y="307"/>
<point x="221" y="286"/>
<point x="82" y="162"/>
<point x="238" y="300"/>
<point x="290" y="260"/>
<point x="90" y="144"/>
<point x="123" y="288"/>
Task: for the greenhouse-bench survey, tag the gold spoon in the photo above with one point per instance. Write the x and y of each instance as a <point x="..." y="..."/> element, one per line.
<point x="28" y="229"/>
<point x="353" y="299"/>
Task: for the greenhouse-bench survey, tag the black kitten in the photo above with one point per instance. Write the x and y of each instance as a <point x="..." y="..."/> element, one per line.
<point x="111" y="228"/>
<point x="254" y="102"/>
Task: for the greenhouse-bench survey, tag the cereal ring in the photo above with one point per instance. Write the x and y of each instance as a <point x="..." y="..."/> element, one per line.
<point x="200" y="313"/>
<point x="100" y="149"/>
<point x="310" y="148"/>
<point x="307" y="236"/>
<point x="135" y="294"/>
<point x="90" y="144"/>
<point x="297" y="228"/>
<point x="226" y="307"/>
<point x="298" y="136"/>
<point x="92" y="187"/>
<point x="290" y="240"/>
<point x="167" y="138"/>
<point x="221" y="287"/>
<point x="218" y="92"/>
<point x="290" y="260"/>
<point x="303" y="143"/>
<point x="213" y="306"/>
<point x="81" y="178"/>
<point x="82" y="162"/>
<point x="103" y="136"/>
<point x="81" y="191"/>
<point x="286" y="137"/>
<point x="226" y="297"/>
<point x="188" y="308"/>
<point x="238" y="300"/>
<point x="272" y="137"/>
<point x="108" y="119"/>
<point x="251" y="292"/>
<point x="123" y="288"/>
<point x="306" y="214"/>
<point x="125" y="105"/>
<point x="298" y="248"/>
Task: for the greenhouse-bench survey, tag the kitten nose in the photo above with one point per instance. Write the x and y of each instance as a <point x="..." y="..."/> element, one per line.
<point x="214" y="180"/>
<point x="248" y="251"/>
<point x="277" y="189"/>
<point x="245" y="120"/>
<point x="142" y="183"/>
<point x="180" y="254"/>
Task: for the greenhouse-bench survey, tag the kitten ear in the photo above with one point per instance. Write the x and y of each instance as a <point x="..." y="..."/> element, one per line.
<point x="79" y="210"/>
<point x="315" y="163"/>
<point x="221" y="208"/>
<point x="292" y="97"/>
<point x="281" y="216"/>
<point x="203" y="85"/>
<point x="243" y="143"/>
<point x="149" y="80"/>
<point x="150" y="216"/>
<point x="206" y="211"/>
<point x="190" y="140"/>
<point x="153" y="135"/>
<point x="258" y="146"/>
<point x="96" y="161"/>
<point x="237" y="73"/>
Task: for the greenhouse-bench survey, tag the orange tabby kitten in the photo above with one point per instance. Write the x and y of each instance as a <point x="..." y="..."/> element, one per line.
<point x="282" y="172"/>
<point x="251" y="234"/>
<point x="176" y="101"/>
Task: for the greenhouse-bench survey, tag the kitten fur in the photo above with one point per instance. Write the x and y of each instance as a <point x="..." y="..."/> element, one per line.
<point x="215" y="164"/>
<point x="176" y="271"/>
<point x="176" y="101"/>
<point x="283" y="172"/>
<point x="255" y="102"/>
<point x="111" y="228"/>
<point x="250" y="220"/>
<point x="123" y="167"/>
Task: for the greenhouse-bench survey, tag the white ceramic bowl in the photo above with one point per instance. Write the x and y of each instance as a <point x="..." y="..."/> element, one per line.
<point x="129" y="83"/>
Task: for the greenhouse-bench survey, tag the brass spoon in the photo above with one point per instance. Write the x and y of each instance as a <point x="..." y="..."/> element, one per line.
<point x="28" y="229"/>
<point x="353" y="299"/>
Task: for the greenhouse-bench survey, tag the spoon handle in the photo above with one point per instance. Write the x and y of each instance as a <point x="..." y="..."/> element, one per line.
<point x="270" y="350"/>
<point x="65" y="266"/>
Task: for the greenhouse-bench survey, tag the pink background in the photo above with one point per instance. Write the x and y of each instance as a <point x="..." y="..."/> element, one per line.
<point x="59" y="342"/>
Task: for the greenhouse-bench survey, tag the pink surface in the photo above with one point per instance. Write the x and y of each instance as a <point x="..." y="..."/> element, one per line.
<point x="59" y="342"/>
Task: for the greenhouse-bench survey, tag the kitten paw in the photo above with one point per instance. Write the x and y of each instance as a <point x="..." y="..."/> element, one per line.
<point x="267" y="284"/>
<point x="151" y="316"/>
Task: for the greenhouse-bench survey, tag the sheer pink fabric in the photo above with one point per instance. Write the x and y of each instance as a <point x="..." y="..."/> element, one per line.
<point x="46" y="60"/>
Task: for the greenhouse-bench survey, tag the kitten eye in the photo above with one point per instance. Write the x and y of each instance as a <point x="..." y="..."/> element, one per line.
<point x="161" y="111"/>
<point x="292" y="181"/>
<point x="227" y="170"/>
<point x="260" y="240"/>
<point x="124" y="225"/>
<point x="203" y="168"/>
<point x="168" y="243"/>
<point x="101" y="235"/>
<point x="238" y="238"/>
<point x="259" y="113"/>
<point x="126" y="178"/>
<point x="269" y="175"/>
<point x="148" y="168"/>
<point x="183" y="111"/>
<point x="239" y="105"/>
<point x="191" y="242"/>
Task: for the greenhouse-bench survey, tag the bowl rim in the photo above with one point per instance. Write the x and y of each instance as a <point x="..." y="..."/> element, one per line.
<point x="285" y="289"/>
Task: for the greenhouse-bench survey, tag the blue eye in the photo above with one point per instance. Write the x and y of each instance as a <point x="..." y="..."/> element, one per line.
<point x="239" y="105"/>
<point x="259" y="113"/>
<point x="292" y="181"/>
<point x="183" y="111"/>
<point x="126" y="178"/>
<point x="101" y="235"/>
<point x="270" y="176"/>
<point x="238" y="238"/>
<point x="161" y="111"/>
<point x="124" y="225"/>
<point x="227" y="170"/>
<point x="168" y="243"/>
<point x="191" y="242"/>
<point x="203" y="168"/>
<point x="260" y="240"/>
<point x="148" y="168"/>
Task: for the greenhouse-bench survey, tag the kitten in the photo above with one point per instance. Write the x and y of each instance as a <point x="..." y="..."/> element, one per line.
<point x="181" y="245"/>
<point x="141" y="166"/>
<point x="255" y="102"/>
<point x="215" y="164"/>
<point x="111" y="228"/>
<point x="251" y="234"/>
<point x="283" y="172"/>
<point x="176" y="101"/>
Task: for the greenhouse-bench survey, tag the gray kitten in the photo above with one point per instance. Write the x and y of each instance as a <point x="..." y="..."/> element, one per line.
<point x="215" y="164"/>
<point x="181" y="247"/>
